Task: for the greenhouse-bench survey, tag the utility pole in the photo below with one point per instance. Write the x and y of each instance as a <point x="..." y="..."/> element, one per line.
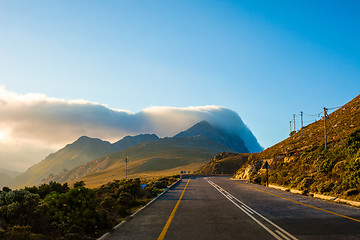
<point x="325" y="127"/>
<point x="302" y="123"/>
<point x="126" y="169"/>
<point x="294" y="124"/>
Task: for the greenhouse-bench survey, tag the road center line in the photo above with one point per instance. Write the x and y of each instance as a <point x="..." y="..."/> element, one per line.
<point x="307" y="205"/>
<point x="167" y="225"/>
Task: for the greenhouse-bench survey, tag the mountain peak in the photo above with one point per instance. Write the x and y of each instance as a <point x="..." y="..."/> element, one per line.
<point x="215" y="134"/>
<point x="200" y="128"/>
<point x="130" y="141"/>
<point x="86" y="139"/>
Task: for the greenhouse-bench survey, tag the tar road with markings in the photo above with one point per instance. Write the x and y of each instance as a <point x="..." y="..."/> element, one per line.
<point x="221" y="208"/>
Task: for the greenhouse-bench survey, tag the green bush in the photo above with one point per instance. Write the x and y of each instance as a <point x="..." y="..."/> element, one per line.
<point x="325" y="187"/>
<point x="305" y="183"/>
<point x="44" y="189"/>
<point x="20" y="207"/>
<point x="256" y="179"/>
<point x="352" y="174"/>
<point x="326" y="166"/>
<point x="352" y="192"/>
<point x="53" y="211"/>
<point x="77" y="208"/>
<point x="353" y="142"/>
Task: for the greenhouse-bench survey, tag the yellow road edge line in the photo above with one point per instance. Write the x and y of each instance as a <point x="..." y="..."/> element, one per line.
<point x="167" y="225"/>
<point x="324" y="210"/>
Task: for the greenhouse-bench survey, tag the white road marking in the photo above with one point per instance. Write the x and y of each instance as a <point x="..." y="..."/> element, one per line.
<point x="249" y="211"/>
<point x="281" y="234"/>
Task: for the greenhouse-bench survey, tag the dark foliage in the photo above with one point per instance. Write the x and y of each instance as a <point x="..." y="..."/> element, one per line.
<point x="54" y="211"/>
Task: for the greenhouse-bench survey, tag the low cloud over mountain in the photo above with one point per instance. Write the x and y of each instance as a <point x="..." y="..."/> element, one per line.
<point x="36" y="123"/>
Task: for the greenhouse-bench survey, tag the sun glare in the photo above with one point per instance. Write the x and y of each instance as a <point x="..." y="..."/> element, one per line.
<point x="4" y="136"/>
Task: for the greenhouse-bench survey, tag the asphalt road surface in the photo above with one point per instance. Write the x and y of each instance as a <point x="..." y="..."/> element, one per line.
<point x="221" y="208"/>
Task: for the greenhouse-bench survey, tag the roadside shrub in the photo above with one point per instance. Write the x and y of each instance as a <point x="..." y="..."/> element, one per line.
<point x="76" y="208"/>
<point x="324" y="187"/>
<point x="326" y="166"/>
<point x="20" y="207"/>
<point x="127" y="200"/>
<point x="6" y="189"/>
<point x="256" y="179"/>
<point x="352" y="174"/>
<point x="352" y="192"/>
<point x="353" y="142"/>
<point x="79" y="184"/>
<point x="305" y="183"/>
<point x="18" y="233"/>
<point x="339" y="167"/>
<point x="45" y="189"/>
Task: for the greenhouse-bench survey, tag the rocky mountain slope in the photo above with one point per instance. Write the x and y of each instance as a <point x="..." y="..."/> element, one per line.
<point x="148" y="155"/>
<point x="72" y="155"/>
<point x="165" y="156"/>
<point x="130" y="141"/>
<point x="215" y="134"/>
<point x="224" y="163"/>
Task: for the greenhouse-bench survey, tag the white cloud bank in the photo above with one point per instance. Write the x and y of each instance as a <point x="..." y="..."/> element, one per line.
<point x="33" y="125"/>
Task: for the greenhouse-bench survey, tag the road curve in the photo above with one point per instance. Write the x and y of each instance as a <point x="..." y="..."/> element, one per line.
<point x="221" y="208"/>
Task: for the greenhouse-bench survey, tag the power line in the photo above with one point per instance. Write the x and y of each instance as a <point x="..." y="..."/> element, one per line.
<point x="334" y="108"/>
<point x="322" y="114"/>
<point x="313" y="115"/>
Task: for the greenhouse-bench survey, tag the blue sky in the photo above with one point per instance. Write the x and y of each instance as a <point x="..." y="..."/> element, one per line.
<point x="263" y="59"/>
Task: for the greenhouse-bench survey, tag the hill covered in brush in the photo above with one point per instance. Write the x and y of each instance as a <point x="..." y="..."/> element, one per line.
<point x="224" y="163"/>
<point x="302" y="162"/>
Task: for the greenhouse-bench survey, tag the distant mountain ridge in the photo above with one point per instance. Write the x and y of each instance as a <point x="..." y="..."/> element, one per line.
<point x="83" y="150"/>
<point x="73" y="161"/>
<point x="5" y="179"/>
<point x="9" y="173"/>
<point x="6" y="176"/>
<point x="147" y="158"/>
<point x="130" y="141"/>
<point x="215" y="134"/>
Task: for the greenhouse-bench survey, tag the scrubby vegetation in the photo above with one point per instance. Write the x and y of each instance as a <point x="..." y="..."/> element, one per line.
<point x="335" y="171"/>
<point x="224" y="163"/>
<point x="55" y="211"/>
<point x="302" y="162"/>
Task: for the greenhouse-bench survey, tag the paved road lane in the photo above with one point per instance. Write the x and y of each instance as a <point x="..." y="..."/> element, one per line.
<point x="220" y="208"/>
<point x="304" y="222"/>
